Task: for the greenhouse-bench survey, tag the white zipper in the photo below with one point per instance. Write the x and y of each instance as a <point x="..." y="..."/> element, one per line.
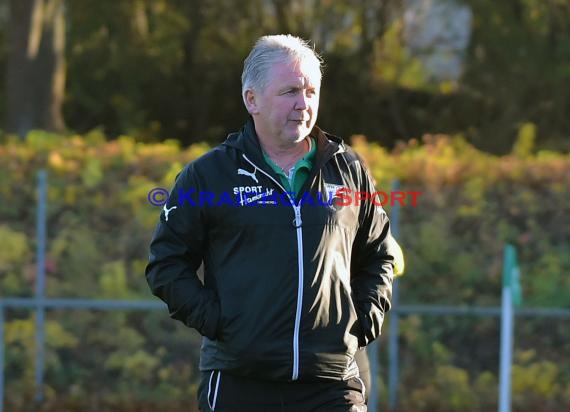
<point x="297" y="222"/>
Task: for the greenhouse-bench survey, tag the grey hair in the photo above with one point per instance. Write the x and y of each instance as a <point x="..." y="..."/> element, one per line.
<point x="269" y="50"/>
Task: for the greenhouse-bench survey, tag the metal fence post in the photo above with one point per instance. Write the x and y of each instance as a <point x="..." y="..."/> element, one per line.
<point x="40" y="283"/>
<point x="511" y="287"/>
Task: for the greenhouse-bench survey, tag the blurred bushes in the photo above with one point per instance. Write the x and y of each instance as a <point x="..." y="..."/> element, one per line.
<point x="100" y="222"/>
<point x="472" y="203"/>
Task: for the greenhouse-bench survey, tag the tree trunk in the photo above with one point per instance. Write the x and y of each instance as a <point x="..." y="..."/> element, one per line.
<point x="35" y="72"/>
<point x="281" y="11"/>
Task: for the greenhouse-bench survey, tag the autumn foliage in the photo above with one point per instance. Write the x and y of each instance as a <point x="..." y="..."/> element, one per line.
<point x="100" y="222"/>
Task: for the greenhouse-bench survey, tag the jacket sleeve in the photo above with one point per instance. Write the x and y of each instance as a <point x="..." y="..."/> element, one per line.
<point x="372" y="266"/>
<point x="176" y="252"/>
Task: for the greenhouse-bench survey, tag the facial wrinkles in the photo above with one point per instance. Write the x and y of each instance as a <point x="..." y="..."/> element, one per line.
<point x="289" y="103"/>
<point x="303" y="103"/>
<point x="308" y="85"/>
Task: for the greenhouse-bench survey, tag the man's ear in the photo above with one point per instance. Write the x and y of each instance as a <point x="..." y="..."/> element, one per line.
<point x="250" y="101"/>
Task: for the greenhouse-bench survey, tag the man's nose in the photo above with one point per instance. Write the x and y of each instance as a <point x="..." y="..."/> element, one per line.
<point x="302" y="101"/>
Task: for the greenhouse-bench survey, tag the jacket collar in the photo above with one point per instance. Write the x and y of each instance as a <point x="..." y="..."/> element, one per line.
<point x="246" y="141"/>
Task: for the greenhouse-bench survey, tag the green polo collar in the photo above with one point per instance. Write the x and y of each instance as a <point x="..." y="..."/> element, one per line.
<point x="298" y="173"/>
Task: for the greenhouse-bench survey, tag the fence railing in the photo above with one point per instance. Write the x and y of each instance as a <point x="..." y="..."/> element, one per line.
<point x="147" y="305"/>
<point x="40" y="304"/>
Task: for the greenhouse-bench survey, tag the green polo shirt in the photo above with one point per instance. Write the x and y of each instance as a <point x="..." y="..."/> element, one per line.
<point x="298" y="173"/>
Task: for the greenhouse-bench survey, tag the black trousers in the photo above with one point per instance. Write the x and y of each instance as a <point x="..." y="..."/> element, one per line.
<point x="223" y="392"/>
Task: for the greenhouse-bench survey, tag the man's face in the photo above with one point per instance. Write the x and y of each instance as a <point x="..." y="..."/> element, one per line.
<point x="286" y="110"/>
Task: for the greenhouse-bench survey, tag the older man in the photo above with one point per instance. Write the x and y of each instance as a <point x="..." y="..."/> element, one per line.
<point x="295" y="282"/>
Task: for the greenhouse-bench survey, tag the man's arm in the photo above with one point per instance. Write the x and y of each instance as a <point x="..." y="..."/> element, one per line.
<point x="176" y="252"/>
<point x="373" y="258"/>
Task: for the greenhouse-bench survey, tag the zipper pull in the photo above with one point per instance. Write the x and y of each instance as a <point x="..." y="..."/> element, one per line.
<point x="297" y="222"/>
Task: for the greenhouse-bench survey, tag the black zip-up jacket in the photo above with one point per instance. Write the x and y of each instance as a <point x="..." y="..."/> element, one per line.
<point x="292" y="287"/>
